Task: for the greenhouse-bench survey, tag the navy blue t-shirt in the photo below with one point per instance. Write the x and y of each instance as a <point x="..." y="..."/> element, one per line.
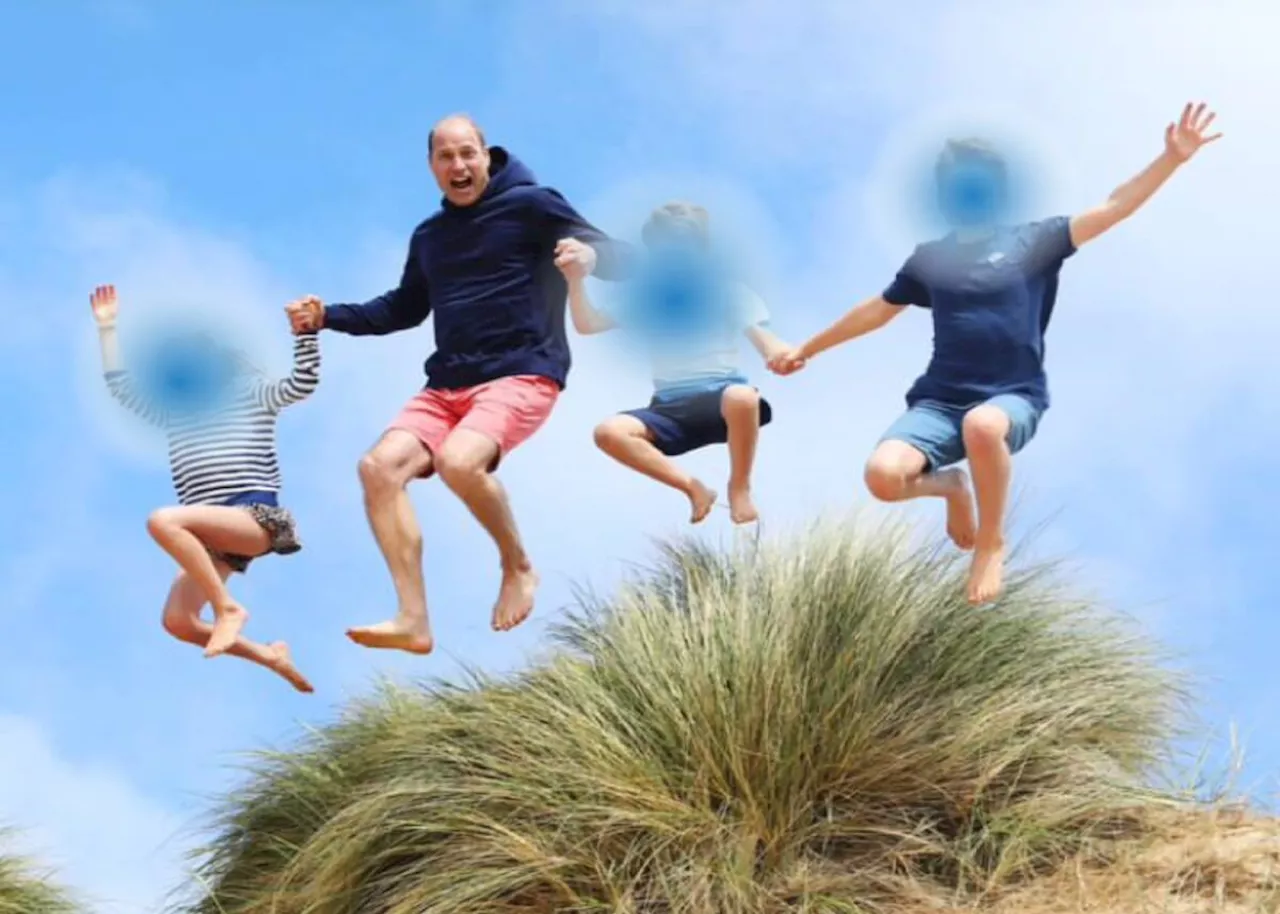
<point x="991" y="302"/>
<point x="486" y="275"/>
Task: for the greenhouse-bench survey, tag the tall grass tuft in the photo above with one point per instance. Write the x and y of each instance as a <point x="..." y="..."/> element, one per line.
<point x="821" y="724"/>
<point x="24" y="889"/>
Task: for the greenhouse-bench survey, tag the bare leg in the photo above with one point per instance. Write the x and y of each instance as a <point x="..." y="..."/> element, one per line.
<point x="740" y="407"/>
<point x="188" y="533"/>
<point x="896" y="472"/>
<point x="626" y="440"/>
<point x="463" y="463"/>
<point x="182" y="620"/>
<point x="985" y="431"/>
<point x="385" y="473"/>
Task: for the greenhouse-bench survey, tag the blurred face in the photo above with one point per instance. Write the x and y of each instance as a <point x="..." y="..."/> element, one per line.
<point x="460" y="162"/>
<point x="971" y="195"/>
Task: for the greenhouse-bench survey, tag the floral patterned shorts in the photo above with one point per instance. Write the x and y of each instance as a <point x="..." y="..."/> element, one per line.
<point x="278" y="523"/>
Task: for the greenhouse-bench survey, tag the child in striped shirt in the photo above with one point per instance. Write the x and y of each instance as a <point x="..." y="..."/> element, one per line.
<point x="227" y="476"/>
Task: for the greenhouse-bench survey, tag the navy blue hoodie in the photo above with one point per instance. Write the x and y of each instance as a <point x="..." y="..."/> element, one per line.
<point x="486" y="273"/>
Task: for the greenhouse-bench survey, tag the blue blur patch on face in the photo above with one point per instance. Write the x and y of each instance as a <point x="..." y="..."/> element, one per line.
<point x="680" y="291"/>
<point x="186" y="373"/>
<point x="971" y="195"/>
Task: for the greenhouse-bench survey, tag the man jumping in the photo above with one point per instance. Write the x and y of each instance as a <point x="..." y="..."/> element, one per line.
<point x="485" y="268"/>
<point x="991" y="290"/>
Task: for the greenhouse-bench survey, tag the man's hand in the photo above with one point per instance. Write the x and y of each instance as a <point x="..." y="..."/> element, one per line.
<point x="306" y="315"/>
<point x="1183" y="139"/>
<point x="788" y="362"/>
<point x="574" y="258"/>
<point x="105" y="306"/>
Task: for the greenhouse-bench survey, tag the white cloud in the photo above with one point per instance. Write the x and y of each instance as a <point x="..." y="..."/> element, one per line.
<point x="107" y="839"/>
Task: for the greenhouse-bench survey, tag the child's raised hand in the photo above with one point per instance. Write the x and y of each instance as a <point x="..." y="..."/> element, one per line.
<point x="105" y="305"/>
<point x="788" y="362"/>
<point x="574" y="258"/>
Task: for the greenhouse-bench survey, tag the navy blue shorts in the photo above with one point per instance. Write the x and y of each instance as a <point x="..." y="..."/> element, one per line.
<point x="685" y="423"/>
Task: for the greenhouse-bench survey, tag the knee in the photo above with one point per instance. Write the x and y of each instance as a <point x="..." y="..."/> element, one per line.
<point x="885" y="479"/>
<point x="377" y="474"/>
<point x="459" y="469"/>
<point x="161" y="522"/>
<point x="608" y="435"/>
<point x="179" y="626"/>
<point x="740" y="400"/>
<point x="985" y="427"/>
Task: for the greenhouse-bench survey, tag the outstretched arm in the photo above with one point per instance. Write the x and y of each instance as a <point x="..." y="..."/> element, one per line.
<point x="587" y="319"/>
<point x="404" y="307"/>
<point x="302" y="380"/>
<point x="105" y="308"/>
<point x="860" y="320"/>
<point x="609" y="259"/>
<point x="1181" y="141"/>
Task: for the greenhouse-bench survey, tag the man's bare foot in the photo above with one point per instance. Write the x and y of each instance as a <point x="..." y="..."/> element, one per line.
<point x="515" y="599"/>
<point x="702" y="500"/>
<point x="283" y="665"/>
<point x="228" y="622"/>
<point x="742" y="510"/>
<point x="986" y="576"/>
<point x="397" y="634"/>
<point x="961" y="526"/>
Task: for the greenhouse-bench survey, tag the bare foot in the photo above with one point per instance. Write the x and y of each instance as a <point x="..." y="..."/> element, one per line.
<point x="961" y="526"/>
<point x="228" y="622"/>
<point x="702" y="501"/>
<point x="283" y="665"/>
<point x="986" y="576"/>
<point x="515" y="599"/>
<point x="742" y="510"/>
<point x="398" y="634"/>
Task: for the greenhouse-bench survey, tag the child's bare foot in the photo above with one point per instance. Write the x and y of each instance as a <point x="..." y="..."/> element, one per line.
<point x="282" y="663"/>
<point x="702" y="500"/>
<point x="228" y="622"/>
<point x="398" y="634"/>
<point x="515" y="599"/>
<point x="986" y="576"/>
<point x="742" y="509"/>
<point x="961" y="526"/>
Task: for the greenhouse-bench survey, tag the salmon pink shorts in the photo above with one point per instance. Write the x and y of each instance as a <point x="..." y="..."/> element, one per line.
<point x="507" y="411"/>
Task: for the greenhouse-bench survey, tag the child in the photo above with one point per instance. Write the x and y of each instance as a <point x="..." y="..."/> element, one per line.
<point x="991" y="291"/>
<point x="701" y="396"/>
<point x="225" y="470"/>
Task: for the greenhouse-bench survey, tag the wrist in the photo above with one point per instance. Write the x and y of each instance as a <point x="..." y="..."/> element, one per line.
<point x="106" y="326"/>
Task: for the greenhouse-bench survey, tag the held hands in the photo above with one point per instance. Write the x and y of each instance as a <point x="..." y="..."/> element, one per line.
<point x="575" y="259"/>
<point x="789" y="361"/>
<point x="306" y="315"/>
<point x="105" y="306"/>
<point x="1183" y="139"/>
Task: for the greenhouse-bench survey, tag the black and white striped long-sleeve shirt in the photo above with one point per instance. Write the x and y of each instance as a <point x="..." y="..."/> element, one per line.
<point x="232" y="450"/>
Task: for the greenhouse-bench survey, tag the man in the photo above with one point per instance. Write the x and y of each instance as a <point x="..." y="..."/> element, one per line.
<point x="692" y="318"/>
<point x="485" y="266"/>
<point x="991" y="290"/>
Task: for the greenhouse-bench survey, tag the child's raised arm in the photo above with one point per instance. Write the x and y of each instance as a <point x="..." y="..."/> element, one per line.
<point x="587" y="319"/>
<point x="105" y="307"/>
<point x="302" y="380"/>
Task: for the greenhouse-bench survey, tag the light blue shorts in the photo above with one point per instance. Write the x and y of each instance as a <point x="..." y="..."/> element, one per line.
<point x="936" y="429"/>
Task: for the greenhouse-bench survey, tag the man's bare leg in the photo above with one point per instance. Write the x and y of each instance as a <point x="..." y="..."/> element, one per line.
<point x="463" y="463"/>
<point x="628" y="441"/>
<point x="986" y="429"/>
<point x="740" y="407"/>
<point x="182" y="620"/>
<point x="187" y="533"/>
<point x="385" y="473"/>
<point x="896" y="472"/>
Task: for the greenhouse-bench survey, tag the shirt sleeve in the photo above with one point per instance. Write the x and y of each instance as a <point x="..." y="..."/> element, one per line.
<point x="301" y="381"/>
<point x="1050" y="243"/>
<point x="751" y="308"/>
<point x="906" y="288"/>
<point x="126" y="393"/>
<point x="402" y="308"/>
<point x="614" y="259"/>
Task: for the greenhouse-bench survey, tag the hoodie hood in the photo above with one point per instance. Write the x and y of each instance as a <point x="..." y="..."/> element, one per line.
<point x="505" y="172"/>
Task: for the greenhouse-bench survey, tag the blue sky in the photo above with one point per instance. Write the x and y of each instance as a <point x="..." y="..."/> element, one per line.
<point x="228" y="158"/>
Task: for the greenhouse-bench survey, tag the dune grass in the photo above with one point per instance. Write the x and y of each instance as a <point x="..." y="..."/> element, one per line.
<point x="24" y="889"/>
<point x="822" y="725"/>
